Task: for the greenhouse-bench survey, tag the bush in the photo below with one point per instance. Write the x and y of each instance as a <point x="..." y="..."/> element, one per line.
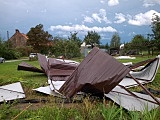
<point x="11" y="54"/>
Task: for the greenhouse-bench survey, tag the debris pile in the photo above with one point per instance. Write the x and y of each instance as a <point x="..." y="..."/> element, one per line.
<point x="98" y="74"/>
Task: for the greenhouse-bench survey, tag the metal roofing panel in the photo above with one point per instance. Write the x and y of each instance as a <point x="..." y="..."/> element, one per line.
<point x="11" y="92"/>
<point x="98" y="71"/>
<point x="121" y="97"/>
<point x="43" y="63"/>
<point x="28" y="67"/>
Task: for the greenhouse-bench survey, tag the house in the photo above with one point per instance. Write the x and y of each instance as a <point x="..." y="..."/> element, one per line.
<point x="18" y="40"/>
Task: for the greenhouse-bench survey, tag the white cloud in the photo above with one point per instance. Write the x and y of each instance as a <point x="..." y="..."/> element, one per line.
<point x="148" y="3"/>
<point x="88" y="19"/>
<point x="96" y="17"/>
<point x="143" y="19"/>
<point x="82" y="28"/>
<point x="101" y="16"/>
<point x="102" y="1"/>
<point x="120" y="18"/>
<point x="113" y="2"/>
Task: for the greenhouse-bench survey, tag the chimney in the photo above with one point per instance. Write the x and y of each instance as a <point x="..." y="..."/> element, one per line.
<point x="17" y="31"/>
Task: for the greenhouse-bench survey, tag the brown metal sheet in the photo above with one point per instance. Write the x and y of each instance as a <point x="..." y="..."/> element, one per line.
<point x="97" y="73"/>
<point x="57" y="64"/>
<point x="59" y="78"/>
<point x="60" y="69"/>
<point x="59" y="72"/>
<point x="43" y="63"/>
<point x="27" y="67"/>
<point x="55" y="68"/>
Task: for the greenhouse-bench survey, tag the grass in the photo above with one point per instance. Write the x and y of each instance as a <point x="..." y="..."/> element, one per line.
<point x="86" y="110"/>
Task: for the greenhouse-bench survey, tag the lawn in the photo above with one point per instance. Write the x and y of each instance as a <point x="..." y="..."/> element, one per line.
<point x="88" y="109"/>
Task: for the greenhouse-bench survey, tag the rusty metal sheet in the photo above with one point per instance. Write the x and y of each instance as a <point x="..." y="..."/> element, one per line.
<point x="97" y="73"/>
<point x="28" y="67"/>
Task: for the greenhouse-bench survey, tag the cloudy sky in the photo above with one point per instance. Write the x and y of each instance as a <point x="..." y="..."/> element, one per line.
<point x="60" y="17"/>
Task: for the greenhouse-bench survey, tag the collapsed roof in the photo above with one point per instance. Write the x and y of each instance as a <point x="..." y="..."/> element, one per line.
<point x="97" y="73"/>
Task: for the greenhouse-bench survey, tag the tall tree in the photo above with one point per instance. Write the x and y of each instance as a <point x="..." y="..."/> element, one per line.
<point x="67" y="48"/>
<point x="92" y="38"/>
<point x="155" y="25"/>
<point x="73" y="37"/>
<point x="115" y="41"/>
<point x="39" y="39"/>
<point x="138" y="43"/>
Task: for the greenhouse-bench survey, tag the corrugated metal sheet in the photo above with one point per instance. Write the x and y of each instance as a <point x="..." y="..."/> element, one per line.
<point x="11" y="92"/>
<point x="43" y="63"/>
<point x="97" y="73"/>
<point x="60" y="69"/>
<point x="55" y="68"/>
<point x="121" y="97"/>
<point x="28" y="67"/>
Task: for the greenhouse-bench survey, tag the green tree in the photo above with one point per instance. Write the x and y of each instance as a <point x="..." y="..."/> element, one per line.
<point x="3" y="46"/>
<point x="115" y="41"/>
<point x="67" y="48"/>
<point x="73" y="37"/>
<point x="106" y="46"/>
<point x="39" y="39"/>
<point x="155" y="25"/>
<point x="92" y="38"/>
<point x="138" y="43"/>
<point x="6" y="52"/>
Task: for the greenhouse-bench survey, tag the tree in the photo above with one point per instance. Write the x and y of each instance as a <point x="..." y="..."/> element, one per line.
<point x="155" y="25"/>
<point x="3" y="46"/>
<point x="92" y="38"/>
<point x="106" y="46"/>
<point x="39" y="39"/>
<point x="115" y="41"/>
<point x="73" y="37"/>
<point x="6" y="52"/>
<point x="139" y="43"/>
<point x="67" y="48"/>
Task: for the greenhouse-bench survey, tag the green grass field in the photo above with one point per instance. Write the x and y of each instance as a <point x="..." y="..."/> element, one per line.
<point x="86" y="110"/>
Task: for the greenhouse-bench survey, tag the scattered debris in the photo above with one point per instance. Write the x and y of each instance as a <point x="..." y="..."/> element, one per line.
<point x="144" y="75"/>
<point x="125" y="57"/>
<point x="11" y="92"/>
<point x="101" y="73"/>
<point x="132" y="101"/>
<point x="157" y="92"/>
<point x="27" y="67"/>
<point x="98" y="73"/>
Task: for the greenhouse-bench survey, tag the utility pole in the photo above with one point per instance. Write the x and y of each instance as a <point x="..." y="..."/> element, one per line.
<point x="8" y="38"/>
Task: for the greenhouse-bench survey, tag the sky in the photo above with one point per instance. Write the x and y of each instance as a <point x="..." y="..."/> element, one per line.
<point x="63" y="17"/>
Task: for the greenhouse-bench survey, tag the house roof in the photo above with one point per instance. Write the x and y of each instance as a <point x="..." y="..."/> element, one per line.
<point x="19" y="34"/>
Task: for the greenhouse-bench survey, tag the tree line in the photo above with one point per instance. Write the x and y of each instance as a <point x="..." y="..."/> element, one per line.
<point x="41" y="41"/>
